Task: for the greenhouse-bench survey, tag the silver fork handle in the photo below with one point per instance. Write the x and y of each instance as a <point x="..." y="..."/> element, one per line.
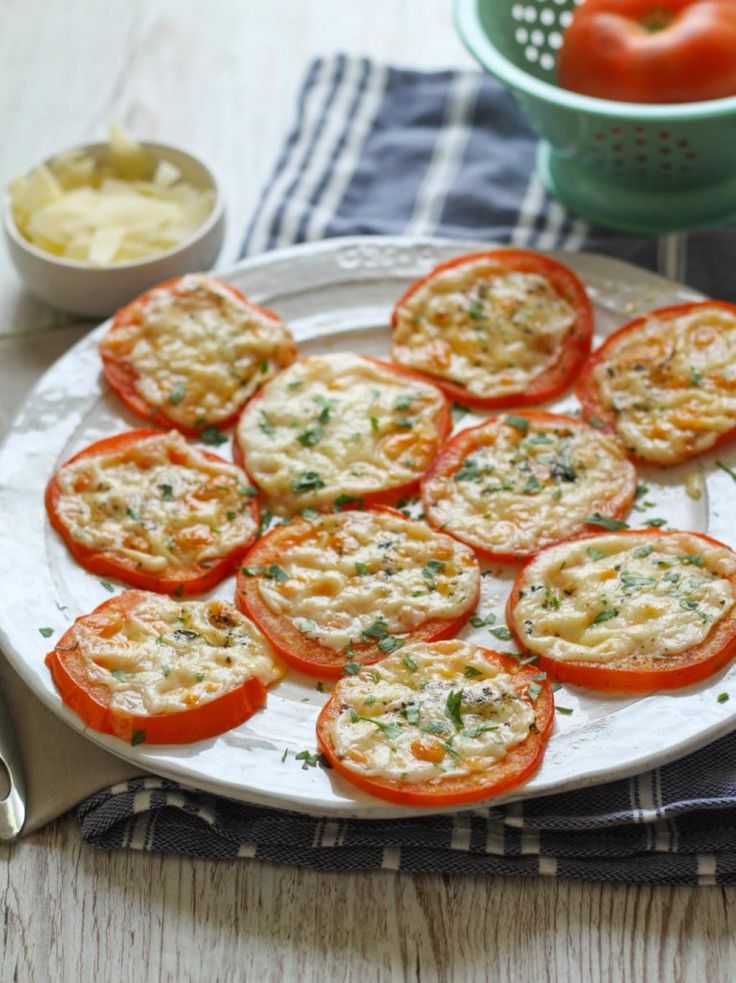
<point x="13" y="806"/>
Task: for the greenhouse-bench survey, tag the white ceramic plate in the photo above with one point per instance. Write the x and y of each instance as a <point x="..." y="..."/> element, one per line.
<point x="336" y="295"/>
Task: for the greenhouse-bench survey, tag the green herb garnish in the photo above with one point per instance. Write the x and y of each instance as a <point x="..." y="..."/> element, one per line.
<point x="264" y="424"/>
<point x="729" y="471"/>
<point x="378" y="630"/>
<point x="213" y="436"/>
<point x="480" y="621"/>
<point x="468" y="471"/>
<point x="453" y="708"/>
<point x="344" y="500"/>
<point x="613" y="525"/>
<point x="309" y="759"/>
<point x="604" y="616"/>
<point x="311" y="436"/>
<point x="275" y="572"/>
<point x="631" y="580"/>
<point x="306" y="482"/>
<point x="641" y="551"/>
<point x="519" y="422"/>
<point x="177" y="394"/>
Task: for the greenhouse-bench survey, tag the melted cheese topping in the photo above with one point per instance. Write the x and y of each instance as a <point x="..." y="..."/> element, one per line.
<point x="614" y="596"/>
<point x="672" y="384"/>
<point x="398" y="723"/>
<point x="338" y="425"/>
<point x="165" y="656"/>
<point x="490" y="332"/>
<point x="359" y="569"/>
<point x="198" y="351"/>
<point x="518" y="491"/>
<point x="159" y="503"/>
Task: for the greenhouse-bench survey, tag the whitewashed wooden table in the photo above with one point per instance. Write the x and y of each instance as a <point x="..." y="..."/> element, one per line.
<point x="221" y="77"/>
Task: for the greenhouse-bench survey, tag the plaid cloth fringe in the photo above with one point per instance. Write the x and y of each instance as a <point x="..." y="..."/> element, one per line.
<point x="390" y="151"/>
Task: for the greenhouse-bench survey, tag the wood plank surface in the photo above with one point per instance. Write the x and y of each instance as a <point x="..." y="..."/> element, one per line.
<point x="221" y="77"/>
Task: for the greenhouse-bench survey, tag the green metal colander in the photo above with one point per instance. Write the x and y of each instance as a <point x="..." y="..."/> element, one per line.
<point x="634" y="166"/>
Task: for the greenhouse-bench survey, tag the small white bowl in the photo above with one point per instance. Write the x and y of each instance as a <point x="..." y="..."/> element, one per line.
<point x="99" y="291"/>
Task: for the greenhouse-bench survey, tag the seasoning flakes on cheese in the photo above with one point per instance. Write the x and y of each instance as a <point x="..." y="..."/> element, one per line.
<point x="432" y="711"/>
<point x="667" y="382"/>
<point x="359" y="583"/>
<point x="489" y="328"/>
<point x="162" y="656"/>
<point x="337" y="427"/>
<point x="194" y="351"/>
<point x="517" y="483"/>
<point x="155" y="503"/>
<point x="624" y="598"/>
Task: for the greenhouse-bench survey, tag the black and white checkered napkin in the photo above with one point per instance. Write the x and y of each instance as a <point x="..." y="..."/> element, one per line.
<point x="383" y="150"/>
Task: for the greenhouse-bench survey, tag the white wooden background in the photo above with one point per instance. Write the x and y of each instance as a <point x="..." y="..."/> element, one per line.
<point x="221" y="76"/>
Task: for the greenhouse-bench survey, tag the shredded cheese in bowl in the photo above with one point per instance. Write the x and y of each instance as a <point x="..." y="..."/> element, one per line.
<point x="120" y="205"/>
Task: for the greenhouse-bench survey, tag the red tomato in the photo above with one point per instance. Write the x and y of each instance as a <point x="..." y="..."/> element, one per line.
<point x="636" y="674"/>
<point x="122" y="376"/>
<point x="195" y="578"/>
<point x="516" y="766"/>
<point x="385" y="496"/>
<point x="92" y="700"/>
<point x="456" y="451"/>
<point x="559" y="376"/>
<point x="299" y="650"/>
<point x="656" y="51"/>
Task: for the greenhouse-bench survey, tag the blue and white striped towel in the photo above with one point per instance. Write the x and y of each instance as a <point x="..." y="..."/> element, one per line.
<point x="382" y="150"/>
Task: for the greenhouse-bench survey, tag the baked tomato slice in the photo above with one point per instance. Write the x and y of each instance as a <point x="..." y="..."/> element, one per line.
<point x="664" y="382"/>
<point x="151" y="669"/>
<point x="658" y="51"/>
<point x="190" y="352"/>
<point x="438" y="724"/>
<point x="632" y="611"/>
<point x="516" y="483"/>
<point x="151" y="510"/>
<point x="495" y="329"/>
<point x="341" y="429"/>
<point x="345" y="590"/>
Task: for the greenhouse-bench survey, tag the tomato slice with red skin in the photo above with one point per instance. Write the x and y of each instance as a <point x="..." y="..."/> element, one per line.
<point x="515" y="767"/>
<point x="559" y="376"/>
<point x="122" y="375"/>
<point x="598" y="414"/>
<point x="195" y="579"/>
<point x="92" y="703"/>
<point x="387" y="496"/>
<point x="651" y="51"/>
<point x="629" y="675"/>
<point x="466" y="442"/>
<point x="305" y="654"/>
